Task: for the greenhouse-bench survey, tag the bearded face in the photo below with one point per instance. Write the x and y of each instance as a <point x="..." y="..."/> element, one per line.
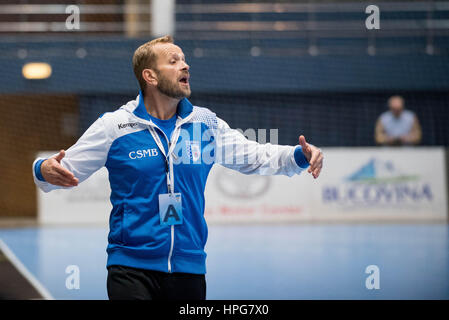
<point x="172" y="71"/>
<point x="174" y="87"/>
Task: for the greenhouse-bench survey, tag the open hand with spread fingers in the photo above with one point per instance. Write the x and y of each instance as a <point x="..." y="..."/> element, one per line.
<point x="313" y="155"/>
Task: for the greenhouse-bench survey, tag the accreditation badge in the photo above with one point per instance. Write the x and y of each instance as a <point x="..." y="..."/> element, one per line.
<point x="170" y="209"/>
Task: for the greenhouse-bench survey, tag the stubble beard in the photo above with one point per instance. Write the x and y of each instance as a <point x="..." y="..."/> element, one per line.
<point x="171" y="89"/>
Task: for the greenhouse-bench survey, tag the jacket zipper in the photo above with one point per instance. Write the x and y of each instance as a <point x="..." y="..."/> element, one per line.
<point x="172" y="227"/>
<point x="167" y="168"/>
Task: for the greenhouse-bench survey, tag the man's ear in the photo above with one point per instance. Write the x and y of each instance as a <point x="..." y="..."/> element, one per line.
<point x="149" y="76"/>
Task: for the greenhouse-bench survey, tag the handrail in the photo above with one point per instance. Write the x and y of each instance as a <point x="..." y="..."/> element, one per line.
<point x="410" y="6"/>
<point x="341" y="28"/>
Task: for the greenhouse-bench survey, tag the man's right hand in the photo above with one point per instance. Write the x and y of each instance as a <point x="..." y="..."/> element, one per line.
<point x="54" y="173"/>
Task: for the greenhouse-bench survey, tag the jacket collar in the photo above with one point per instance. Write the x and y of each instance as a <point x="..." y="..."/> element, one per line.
<point x="183" y="109"/>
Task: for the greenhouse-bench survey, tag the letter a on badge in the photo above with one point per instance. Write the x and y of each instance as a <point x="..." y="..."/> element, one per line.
<point x="171" y="213"/>
<point x="170" y="209"/>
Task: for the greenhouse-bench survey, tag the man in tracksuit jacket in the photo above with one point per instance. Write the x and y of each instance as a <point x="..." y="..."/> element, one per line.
<point x="158" y="150"/>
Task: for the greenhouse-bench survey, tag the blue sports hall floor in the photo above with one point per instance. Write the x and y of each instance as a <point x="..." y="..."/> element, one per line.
<point x="298" y="261"/>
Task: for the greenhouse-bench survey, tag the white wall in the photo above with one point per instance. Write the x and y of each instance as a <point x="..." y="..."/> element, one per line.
<point x="407" y="184"/>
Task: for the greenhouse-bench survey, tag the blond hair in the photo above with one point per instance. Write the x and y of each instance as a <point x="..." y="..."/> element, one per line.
<point x="145" y="58"/>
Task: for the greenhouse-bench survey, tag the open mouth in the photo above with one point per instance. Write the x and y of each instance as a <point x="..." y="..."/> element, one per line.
<point x="184" y="80"/>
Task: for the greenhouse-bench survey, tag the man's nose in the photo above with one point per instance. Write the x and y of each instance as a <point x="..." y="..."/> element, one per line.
<point x="185" y="66"/>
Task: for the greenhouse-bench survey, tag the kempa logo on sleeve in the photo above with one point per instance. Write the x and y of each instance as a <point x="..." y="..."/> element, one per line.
<point x="139" y="154"/>
<point x="126" y="125"/>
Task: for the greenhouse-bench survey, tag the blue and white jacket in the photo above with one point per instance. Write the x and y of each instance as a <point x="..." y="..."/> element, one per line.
<point x="124" y="142"/>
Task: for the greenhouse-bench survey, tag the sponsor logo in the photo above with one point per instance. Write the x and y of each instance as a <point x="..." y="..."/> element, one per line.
<point x="193" y="150"/>
<point x="139" y="154"/>
<point x="126" y="125"/>
<point x="378" y="183"/>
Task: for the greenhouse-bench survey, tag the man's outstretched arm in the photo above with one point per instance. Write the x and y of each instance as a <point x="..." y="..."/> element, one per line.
<point x="235" y="151"/>
<point x="67" y="169"/>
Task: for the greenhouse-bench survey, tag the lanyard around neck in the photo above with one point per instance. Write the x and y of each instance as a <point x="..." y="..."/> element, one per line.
<point x="168" y="155"/>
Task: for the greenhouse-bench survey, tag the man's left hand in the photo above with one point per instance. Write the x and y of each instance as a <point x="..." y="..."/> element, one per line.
<point x="313" y="155"/>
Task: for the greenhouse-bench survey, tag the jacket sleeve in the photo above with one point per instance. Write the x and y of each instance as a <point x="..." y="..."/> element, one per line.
<point x="235" y="151"/>
<point x="85" y="157"/>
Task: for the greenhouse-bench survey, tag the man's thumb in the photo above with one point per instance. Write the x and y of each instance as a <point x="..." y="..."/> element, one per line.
<point x="60" y="155"/>
<point x="303" y="143"/>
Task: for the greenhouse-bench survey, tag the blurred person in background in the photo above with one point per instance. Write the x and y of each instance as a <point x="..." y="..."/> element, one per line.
<point x="397" y="126"/>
